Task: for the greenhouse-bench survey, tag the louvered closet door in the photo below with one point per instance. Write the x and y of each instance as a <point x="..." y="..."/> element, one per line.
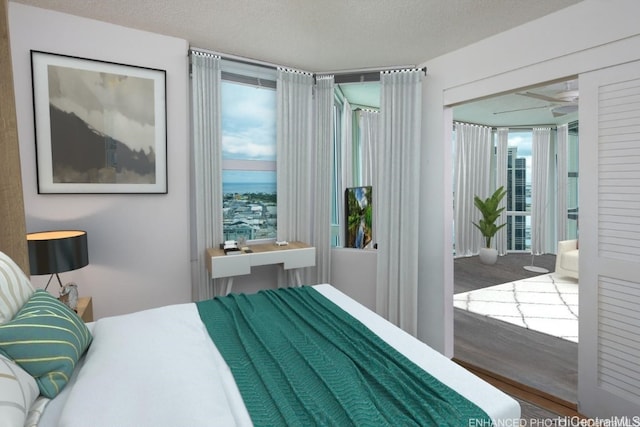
<point x="609" y="349"/>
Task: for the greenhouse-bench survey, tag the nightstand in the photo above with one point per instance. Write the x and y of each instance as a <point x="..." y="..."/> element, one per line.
<point x="85" y="309"/>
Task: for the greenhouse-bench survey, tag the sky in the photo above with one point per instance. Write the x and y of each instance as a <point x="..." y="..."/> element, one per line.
<point x="523" y="140"/>
<point x="248" y="122"/>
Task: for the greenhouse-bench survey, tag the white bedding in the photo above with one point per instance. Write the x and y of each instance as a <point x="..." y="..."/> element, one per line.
<point x="159" y="368"/>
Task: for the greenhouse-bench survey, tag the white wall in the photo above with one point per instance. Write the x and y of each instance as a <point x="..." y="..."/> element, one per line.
<point x="589" y="35"/>
<point x="138" y="244"/>
<point x="353" y="271"/>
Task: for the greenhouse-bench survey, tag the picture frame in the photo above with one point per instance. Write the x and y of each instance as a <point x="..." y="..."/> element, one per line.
<point x="100" y="127"/>
<point x="358" y="217"/>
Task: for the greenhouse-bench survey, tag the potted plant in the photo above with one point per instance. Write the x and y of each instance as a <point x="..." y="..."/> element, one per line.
<point x="487" y="225"/>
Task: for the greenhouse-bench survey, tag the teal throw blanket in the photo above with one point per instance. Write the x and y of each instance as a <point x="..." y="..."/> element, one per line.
<point x="300" y="360"/>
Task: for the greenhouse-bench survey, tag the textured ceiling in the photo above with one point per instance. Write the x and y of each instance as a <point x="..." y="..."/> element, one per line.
<point x="338" y="35"/>
<point x="316" y="36"/>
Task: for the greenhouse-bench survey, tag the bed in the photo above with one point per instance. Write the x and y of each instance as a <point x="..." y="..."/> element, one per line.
<point x="160" y="367"/>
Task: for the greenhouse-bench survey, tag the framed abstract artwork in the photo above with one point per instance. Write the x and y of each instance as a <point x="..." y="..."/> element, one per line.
<point x="359" y="217"/>
<point x="100" y="127"/>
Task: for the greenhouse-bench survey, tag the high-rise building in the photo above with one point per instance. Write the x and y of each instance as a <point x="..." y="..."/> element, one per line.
<point x="516" y="200"/>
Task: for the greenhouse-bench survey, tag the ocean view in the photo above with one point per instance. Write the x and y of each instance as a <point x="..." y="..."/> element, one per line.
<point x="248" y="187"/>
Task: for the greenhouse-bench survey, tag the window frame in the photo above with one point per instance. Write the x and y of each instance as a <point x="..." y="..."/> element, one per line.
<point x="254" y="76"/>
<point x="513" y="214"/>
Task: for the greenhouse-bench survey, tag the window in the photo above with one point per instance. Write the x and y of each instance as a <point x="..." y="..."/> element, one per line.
<point x="519" y="191"/>
<point x="350" y="144"/>
<point x="248" y="155"/>
<point x="336" y="192"/>
<point x="572" y="182"/>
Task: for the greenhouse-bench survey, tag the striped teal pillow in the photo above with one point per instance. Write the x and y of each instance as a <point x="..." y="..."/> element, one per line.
<point x="46" y="338"/>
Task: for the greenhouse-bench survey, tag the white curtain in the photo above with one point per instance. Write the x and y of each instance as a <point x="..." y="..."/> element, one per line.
<point x="349" y="170"/>
<point x="207" y="165"/>
<point x="472" y="177"/>
<point x="294" y="144"/>
<point x="345" y="177"/>
<point x="541" y="142"/>
<point x="563" y="182"/>
<point x="369" y="125"/>
<point x="323" y="133"/>
<point x="397" y="197"/>
<point x="502" y="156"/>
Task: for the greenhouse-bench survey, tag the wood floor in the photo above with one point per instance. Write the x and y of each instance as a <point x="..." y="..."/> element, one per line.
<point x="541" y="365"/>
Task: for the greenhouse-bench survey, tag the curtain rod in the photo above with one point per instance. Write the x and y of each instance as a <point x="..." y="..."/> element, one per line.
<point x="366" y="108"/>
<point x="367" y="74"/>
<point x="372" y="70"/>
<point x="508" y="127"/>
<point x="244" y="60"/>
<point x="526" y="127"/>
<point x="355" y="73"/>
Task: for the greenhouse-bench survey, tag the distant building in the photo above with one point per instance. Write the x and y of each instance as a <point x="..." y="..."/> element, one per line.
<point x="516" y="200"/>
<point x="235" y="230"/>
<point x="248" y="217"/>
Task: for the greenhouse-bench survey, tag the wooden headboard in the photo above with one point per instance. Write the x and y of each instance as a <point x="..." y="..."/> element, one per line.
<point x="13" y="239"/>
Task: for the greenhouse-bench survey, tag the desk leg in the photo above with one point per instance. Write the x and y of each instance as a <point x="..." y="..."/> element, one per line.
<point x="229" y="282"/>
<point x="298" y="279"/>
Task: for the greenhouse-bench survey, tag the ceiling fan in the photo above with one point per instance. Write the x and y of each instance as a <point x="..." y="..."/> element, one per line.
<point x="564" y="97"/>
<point x="559" y="104"/>
<point x="562" y="103"/>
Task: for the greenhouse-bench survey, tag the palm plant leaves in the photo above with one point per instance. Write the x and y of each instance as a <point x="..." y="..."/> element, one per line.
<point x="490" y="214"/>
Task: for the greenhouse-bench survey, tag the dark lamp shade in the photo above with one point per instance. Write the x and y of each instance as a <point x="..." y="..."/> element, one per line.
<point x="57" y="251"/>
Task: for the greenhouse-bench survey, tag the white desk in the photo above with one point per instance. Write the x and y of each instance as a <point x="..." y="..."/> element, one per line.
<point x="295" y="255"/>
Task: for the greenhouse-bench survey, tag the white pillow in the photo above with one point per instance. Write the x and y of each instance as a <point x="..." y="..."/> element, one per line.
<point x="15" y="288"/>
<point x="18" y="391"/>
<point x="35" y="413"/>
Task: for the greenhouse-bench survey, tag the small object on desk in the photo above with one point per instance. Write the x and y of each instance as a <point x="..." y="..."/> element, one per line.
<point x="69" y="295"/>
<point x="281" y="243"/>
<point x="230" y="247"/>
<point x="229" y="244"/>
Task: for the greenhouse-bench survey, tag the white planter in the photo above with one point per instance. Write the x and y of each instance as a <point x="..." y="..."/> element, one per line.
<point x="488" y="256"/>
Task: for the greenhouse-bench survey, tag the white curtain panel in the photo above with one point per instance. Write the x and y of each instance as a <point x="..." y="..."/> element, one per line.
<point x="294" y="148"/>
<point x="502" y="158"/>
<point x="397" y="197"/>
<point x="369" y="124"/>
<point x="323" y="166"/>
<point x="207" y="167"/>
<point x="562" y="181"/>
<point x="541" y="142"/>
<point x="349" y="171"/>
<point x="472" y="177"/>
<point x="345" y="177"/>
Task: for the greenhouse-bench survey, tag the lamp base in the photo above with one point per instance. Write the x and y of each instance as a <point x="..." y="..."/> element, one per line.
<point x="49" y="282"/>
<point x="535" y="269"/>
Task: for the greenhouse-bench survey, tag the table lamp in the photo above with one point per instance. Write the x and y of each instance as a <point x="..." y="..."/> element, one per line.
<point x="53" y="252"/>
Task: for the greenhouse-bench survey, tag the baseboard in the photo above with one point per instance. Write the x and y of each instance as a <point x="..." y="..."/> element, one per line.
<point x="532" y="395"/>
